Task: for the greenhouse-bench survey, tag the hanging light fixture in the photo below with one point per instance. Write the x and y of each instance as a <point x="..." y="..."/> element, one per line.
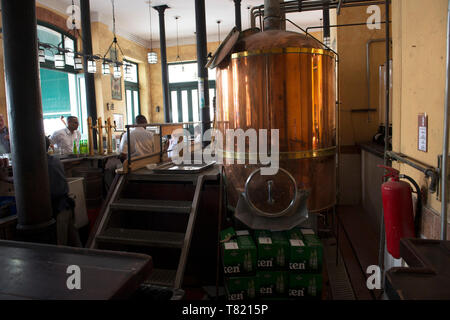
<point x="91" y="65"/>
<point x="117" y="71"/>
<point x="106" y="69"/>
<point x="178" y="59"/>
<point x="78" y="63"/>
<point x="41" y="55"/>
<point x="127" y="70"/>
<point x="218" y="28"/>
<point x="59" y="60"/>
<point x="152" y="56"/>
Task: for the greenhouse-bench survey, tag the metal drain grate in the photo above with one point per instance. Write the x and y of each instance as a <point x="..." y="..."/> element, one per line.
<point x="341" y="289"/>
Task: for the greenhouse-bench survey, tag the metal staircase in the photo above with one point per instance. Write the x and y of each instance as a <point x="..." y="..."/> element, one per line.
<point x="130" y="221"/>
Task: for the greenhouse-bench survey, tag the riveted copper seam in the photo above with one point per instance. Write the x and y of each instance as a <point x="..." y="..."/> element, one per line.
<point x="309" y="154"/>
<point x="281" y="51"/>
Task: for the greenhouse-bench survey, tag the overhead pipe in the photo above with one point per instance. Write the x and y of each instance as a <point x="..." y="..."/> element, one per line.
<point x="164" y="68"/>
<point x="310" y="5"/>
<point x="368" y="44"/>
<point x="444" y="171"/>
<point x="26" y="125"/>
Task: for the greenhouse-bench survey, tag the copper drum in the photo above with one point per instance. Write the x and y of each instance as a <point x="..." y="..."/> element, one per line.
<point x="283" y="80"/>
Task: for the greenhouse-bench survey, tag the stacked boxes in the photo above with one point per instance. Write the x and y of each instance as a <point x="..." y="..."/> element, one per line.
<point x="272" y="265"/>
<point x="305" y="264"/>
<point x="239" y="264"/>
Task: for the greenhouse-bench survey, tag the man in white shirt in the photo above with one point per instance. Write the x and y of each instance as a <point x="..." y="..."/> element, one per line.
<point x="64" y="138"/>
<point x="141" y="140"/>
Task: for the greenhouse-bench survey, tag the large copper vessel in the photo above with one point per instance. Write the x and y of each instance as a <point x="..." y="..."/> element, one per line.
<point x="282" y="80"/>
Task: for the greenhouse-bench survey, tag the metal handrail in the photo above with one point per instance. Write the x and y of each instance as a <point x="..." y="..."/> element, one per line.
<point x="430" y="172"/>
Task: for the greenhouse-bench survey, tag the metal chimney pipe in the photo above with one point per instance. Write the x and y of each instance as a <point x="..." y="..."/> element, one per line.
<point x="237" y="14"/>
<point x="272" y="15"/>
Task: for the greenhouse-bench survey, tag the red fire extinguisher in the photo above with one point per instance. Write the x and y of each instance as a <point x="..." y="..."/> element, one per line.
<point x="398" y="210"/>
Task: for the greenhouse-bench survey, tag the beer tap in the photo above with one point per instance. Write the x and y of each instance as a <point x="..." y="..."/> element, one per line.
<point x="109" y="128"/>
<point x="99" y="128"/>
<point x="90" y="136"/>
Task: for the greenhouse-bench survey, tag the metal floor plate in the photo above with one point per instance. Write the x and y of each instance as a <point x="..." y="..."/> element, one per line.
<point x="341" y="288"/>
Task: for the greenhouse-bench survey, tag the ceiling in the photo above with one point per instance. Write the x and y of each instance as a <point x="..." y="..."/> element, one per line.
<point x="132" y="18"/>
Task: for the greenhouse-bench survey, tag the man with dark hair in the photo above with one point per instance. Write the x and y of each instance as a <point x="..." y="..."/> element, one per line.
<point x="64" y="138"/>
<point x="141" y="140"/>
<point x="62" y="204"/>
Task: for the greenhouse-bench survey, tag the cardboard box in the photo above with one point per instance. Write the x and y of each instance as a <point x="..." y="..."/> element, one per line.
<point x="282" y="256"/>
<point x="304" y="286"/>
<point x="272" y="250"/>
<point x="305" y="251"/>
<point x="240" y="288"/>
<point x="238" y="252"/>
<point x="315" y="249"/>
<point x="271" y="284"/>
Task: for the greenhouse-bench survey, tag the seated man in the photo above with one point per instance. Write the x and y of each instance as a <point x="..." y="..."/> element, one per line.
<point x="62" y="204"/>
<point x="64" y="138"/>
<point x="141" y="141"/>
<point x="4" y="137"/>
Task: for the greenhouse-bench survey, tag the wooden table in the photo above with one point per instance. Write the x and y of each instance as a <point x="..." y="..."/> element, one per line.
<point x="428" y="274"/>
<point x="37" y="271"/>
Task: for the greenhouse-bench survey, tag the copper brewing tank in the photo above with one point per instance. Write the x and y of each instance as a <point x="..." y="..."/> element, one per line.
<point x="282" y="80"/>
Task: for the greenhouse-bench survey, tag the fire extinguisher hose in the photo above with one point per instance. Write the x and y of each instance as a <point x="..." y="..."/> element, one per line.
<point x="418" y="215"/>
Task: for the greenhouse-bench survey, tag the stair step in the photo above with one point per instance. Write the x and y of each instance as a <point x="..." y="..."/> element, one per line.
<point x="162" y="277"/>
<point x="142" y="237"/>
<point x="162" y="177"/>
<point x="152" y="205"/>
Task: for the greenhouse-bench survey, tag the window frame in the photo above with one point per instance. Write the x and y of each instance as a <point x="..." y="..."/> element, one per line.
<point x="50" y="64"/>
<point x="133" y="86"/>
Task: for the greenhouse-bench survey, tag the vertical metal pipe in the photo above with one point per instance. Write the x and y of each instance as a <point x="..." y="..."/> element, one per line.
<point x="164" y="67"/>
<point x="272" y="14"/>
<point x="237" y="14"/>
<point x="444" y="171"/>
<point x="203" y="88"/>
<point x="326" y="24"/>
<point x="386" y="134"/>
<point x="91" y="102"/>
<point x="23" y="97"/>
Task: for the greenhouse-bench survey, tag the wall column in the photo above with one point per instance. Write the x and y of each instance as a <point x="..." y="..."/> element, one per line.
<point x="26" y="125"/>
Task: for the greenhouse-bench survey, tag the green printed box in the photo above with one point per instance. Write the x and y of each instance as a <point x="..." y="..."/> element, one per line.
<point x="272" y="249"/>
<point x="304" y="285"/>
<point x="305" y="251"/>
<point x="298" y="254"/>
<point x="238" y="252"/>
<point x="315" y="249"/>
<point x="271" y="284"/>
<point x="240" y="288"/>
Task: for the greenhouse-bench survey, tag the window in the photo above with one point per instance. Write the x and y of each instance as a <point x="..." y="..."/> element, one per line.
<point x="131" y="90"/>
<point x="62" y="90"/>
<point x="183" y="88"/>
<point x="52" y="35"/>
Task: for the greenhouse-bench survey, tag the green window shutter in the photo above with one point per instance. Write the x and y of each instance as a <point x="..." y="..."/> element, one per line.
<point x="55" y="93"/>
